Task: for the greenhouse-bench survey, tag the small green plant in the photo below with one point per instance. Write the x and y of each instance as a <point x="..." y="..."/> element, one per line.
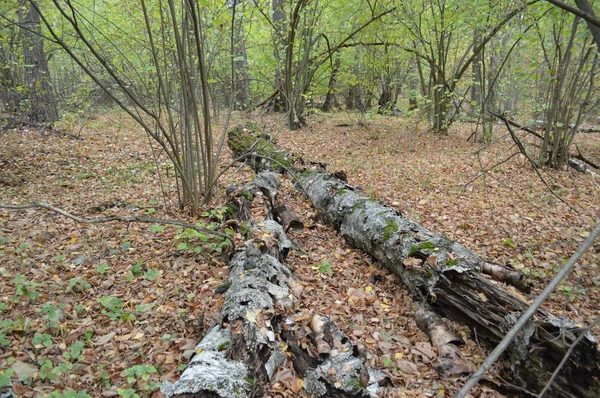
<point x="388" y="362"/>
<point x="573" y="293"/>
<point x="23" y="247"/>
<point x="143" y="372"/>
<point x="42" y="339"/>
<point x="144" y="307"/>
<point x="324" y="266"/>
<point x="68" y="394"/>
<point x="113" y="308"/>
<point x="88" y="337"/>
<point x="48" y="371"/>
<point x="5" y="377"/>
<point x="75" y="352"/>
<point x="137" y="268"/>
<point x="151" y="274"/>
<point x="125" y="246"/>
<point x="24" y="287"/>
<point x="157" y="228"/>
<point x="509" y="243"/>
<point x="127" y="393"/>
<point x="4" y="342"/>
<point x="166" y="337"/>
<point x="102" y="268"/>
<point x="78" y="285"/>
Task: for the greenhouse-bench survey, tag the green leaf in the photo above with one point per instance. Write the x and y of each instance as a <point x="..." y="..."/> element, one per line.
<point x="101" y="269"/>
<point x="151" y="274"/>
<point x="508" y="243"/>
<point x="5" y="377"/>
<point x="42" y="339"/>
<point x="137" y="268"/>
<point x="325" y="266"/>
<point x="157" y="228"/>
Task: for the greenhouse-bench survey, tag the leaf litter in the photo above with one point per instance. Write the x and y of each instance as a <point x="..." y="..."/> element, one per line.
<point x="113" y="309"/>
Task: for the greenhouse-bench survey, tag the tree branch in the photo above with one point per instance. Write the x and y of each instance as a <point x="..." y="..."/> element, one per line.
<point x="512" y="333"/>
<point x="127" y="219"/>
<point x="592" y="19"/>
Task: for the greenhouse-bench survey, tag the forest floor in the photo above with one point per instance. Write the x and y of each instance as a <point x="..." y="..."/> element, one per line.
<point x="112" y="309"/>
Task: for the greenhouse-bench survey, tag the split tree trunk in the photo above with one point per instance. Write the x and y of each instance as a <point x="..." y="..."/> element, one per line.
<point x="448" y="276"/>
<point x="240" y="356"/>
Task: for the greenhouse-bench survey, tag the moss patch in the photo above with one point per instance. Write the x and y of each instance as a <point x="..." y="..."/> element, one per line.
<point x="243" y="139"/>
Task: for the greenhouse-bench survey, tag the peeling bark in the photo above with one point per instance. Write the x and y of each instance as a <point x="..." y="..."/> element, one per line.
<point x="447" y="276"/>
<point x="450" y="361"/>
<point x="239" y="357"/>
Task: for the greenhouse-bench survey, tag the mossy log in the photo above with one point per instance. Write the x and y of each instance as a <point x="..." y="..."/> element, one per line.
<point x="240" y="356"/>
<point x="448" y="276"/>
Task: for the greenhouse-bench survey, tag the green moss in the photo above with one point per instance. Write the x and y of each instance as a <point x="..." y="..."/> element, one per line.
<point x="390" y="228"/>
<point x="244" y="228"/>
<point x="342" y="191"/>
<point x="451" y="262"/>
<point x="223" y="346"/>
<point x="242" y="139"/>
<point x="425" y="247"/>
<point x="246" y="194"/>
<point x="354" y="384"/>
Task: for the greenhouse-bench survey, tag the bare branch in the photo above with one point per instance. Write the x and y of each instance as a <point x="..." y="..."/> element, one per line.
<point x="127" y="219"/>
<point x="512" y="333"/>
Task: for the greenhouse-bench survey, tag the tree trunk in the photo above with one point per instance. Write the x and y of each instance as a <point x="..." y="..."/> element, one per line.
<point x="241" y="354"/>
<point x="42" y="103"/>
<point x="279" y="46"/>
<point x="330" y="98"/>
<point x="448" y="276"/>
<point x="240" y="62"/>
<point x="585" y="6"/>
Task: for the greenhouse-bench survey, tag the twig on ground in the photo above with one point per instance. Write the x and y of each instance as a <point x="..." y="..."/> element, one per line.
<point x="127" y="219"/>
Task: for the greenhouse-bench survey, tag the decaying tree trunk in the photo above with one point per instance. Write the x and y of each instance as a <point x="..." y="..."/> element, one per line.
<point x="446" y="275"/>
<point x="240" y="356"/>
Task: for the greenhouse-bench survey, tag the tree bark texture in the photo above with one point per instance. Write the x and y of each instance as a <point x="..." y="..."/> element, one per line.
<point x="449" y="277"/>
<point x="42" y="104"/>
<point x="240" y="356"/>
<point x="330" y="98"/>
<point x="585" y="6"/>
<point x="240" y="61"/>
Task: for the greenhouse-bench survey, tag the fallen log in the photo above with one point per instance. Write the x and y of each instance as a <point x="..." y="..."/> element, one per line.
<point x="446" y="275"/>
<point x="240" y="356"/>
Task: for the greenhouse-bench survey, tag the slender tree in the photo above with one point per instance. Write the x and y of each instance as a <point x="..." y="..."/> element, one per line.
<point x="42" y="103"/>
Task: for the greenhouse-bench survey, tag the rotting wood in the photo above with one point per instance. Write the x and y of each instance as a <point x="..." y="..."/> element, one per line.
<point x="447" y="276"/>
<point x="239" y="357"/>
